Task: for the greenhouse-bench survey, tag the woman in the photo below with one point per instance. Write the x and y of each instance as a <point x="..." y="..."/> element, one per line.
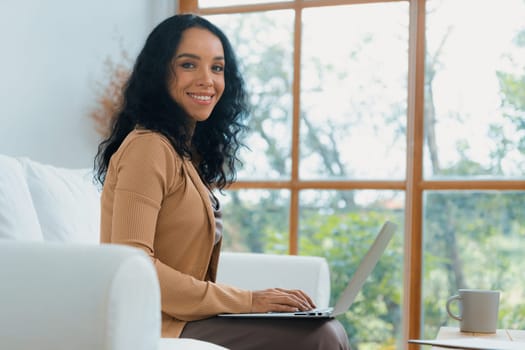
<point x="173" y="142"/>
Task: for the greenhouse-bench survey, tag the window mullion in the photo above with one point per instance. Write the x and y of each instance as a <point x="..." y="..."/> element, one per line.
<point x="188" y="6"/>
<point x="296" y="121"/>
<point x="414" y="175"/>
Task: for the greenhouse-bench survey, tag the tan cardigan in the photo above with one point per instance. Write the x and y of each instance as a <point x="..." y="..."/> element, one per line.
<point x="153" y="199"/>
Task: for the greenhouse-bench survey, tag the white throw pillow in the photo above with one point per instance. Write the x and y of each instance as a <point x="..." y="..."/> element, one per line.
<point x="18" y="219"/>
<point x="66" y="201"/>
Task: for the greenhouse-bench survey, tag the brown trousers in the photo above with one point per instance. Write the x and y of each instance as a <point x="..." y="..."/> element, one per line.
<point x="269" y="333"/>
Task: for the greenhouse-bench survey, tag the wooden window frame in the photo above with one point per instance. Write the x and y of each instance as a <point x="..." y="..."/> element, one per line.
<point x="414" y="185"/>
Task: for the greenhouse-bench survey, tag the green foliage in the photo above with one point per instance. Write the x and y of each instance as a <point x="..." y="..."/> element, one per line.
<point x="250" y="221"/>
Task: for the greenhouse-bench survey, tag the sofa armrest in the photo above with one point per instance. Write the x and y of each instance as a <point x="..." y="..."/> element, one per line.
<point x="57" y="296"/>
<point x="255" y="271"/>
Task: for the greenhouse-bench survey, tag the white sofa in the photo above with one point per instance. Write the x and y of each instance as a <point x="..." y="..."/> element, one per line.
<point x="60" y="289"/>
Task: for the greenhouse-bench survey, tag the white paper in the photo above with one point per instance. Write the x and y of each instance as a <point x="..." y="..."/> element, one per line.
<point x="472" y="344"/>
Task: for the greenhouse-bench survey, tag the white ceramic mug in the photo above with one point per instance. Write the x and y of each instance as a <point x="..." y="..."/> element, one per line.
<point x="478" y="310"/>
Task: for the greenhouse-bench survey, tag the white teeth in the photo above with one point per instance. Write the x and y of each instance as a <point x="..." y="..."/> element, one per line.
<point x="200" y="97"/>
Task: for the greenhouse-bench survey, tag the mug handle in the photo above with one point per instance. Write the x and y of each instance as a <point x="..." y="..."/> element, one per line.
<point x="449" y="301"/>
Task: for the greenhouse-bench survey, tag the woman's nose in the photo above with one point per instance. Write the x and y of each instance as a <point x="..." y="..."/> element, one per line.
<point x="205" y="78"/>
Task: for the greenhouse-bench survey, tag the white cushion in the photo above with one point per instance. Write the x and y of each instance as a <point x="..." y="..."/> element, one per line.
<point x="187" y="344"/>
<point x="18" y="219"/>
<point x="66" y="201"/>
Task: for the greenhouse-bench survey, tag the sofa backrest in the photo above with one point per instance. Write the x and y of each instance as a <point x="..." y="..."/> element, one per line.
<point x="40" y="202"/>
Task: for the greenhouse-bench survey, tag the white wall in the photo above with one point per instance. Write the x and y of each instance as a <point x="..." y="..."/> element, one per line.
<point x="52" y="56"/>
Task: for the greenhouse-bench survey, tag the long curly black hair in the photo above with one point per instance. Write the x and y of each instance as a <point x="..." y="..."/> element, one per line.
<point x="148" y="104"/>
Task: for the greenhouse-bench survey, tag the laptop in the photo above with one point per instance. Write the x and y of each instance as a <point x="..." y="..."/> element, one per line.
<point x="348" y="296"/>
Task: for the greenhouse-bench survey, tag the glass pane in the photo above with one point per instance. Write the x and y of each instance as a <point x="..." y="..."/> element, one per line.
<point x="263" y="42"/>
<point x="256" y="221"/>
<point x="220" y="3"/>
<point x="473" y="240"/>
<point x="475" y="88"/>
<point x="354" y="91"/>
<point x="341" y="226"/>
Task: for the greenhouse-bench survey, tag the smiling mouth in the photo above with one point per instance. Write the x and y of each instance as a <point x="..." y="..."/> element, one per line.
<point x="201" y="97"/>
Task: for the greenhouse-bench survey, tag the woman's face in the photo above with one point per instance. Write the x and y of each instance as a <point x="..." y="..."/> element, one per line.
<point x="197" y="75"/>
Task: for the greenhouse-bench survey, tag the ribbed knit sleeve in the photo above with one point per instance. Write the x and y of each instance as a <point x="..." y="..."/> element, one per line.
<point x="141" y="169"/>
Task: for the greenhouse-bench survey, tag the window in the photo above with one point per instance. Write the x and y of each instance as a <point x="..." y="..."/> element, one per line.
<point x="474" y="75"/>
<point x="406" y="110"/>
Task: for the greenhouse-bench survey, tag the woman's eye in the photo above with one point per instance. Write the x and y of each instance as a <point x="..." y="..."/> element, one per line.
<point x="218" y="68"/>
<point x="187" y="65"/>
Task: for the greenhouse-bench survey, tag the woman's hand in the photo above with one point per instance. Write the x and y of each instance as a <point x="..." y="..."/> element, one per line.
<point x="281" y="300"/>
